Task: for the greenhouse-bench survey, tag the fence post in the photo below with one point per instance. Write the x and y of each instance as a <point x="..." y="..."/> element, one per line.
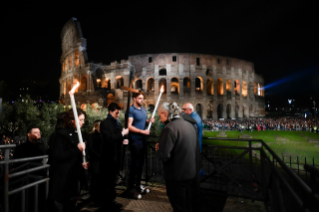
<point x="306" y="169"/>
<point x="6" y="181"/>
<point x="298" y="164"/>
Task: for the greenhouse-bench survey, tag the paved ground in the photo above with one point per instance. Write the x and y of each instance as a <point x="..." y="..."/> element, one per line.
<point x="157" y="201"/>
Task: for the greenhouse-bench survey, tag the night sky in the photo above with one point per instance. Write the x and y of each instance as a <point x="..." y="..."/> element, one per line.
<point x="281" y="39"/>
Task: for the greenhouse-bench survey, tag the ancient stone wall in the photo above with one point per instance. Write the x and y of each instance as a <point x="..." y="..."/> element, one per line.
<point x="217" y="86"/>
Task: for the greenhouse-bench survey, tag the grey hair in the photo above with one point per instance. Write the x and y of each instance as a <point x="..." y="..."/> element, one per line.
<point x="172" y="108"/>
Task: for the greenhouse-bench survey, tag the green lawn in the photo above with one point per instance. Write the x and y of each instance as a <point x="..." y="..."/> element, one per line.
<point x="297" y="145"/>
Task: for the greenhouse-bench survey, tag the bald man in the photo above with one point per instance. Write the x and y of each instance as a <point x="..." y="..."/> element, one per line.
<point x="189" y="109"/>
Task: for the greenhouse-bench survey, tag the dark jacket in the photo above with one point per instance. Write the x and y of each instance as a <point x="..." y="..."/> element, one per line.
<point x="28" y="149"/>
<point x="66" y="165"/>
<point x="94" y="146"/>
<point x="179" y="150"/>
<point x="111" y="132"/>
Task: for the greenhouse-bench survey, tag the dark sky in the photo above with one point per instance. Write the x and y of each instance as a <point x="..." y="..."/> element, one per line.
<point x="281" y="39"/>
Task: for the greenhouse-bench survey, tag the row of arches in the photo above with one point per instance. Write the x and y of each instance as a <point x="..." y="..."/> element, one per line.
<point x="174" y="85"/>
<point x="71" y="60"/>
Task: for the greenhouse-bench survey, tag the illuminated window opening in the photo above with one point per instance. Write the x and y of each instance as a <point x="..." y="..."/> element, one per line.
<point x="199" y="84"/>
<point x="162" y="82"/>
<point x="210" y="87"/>
<point x="236" y="87"/>
<point x="244" y="91"/>
<point x="150" y="85"/>
<point x="187" y="85"/>
<point x="70" y="61"/>
<point x="174" y="85"/>
<point x="83" y="84"/>
<point x="76" y="58"/>
<point x="220" y="87"/>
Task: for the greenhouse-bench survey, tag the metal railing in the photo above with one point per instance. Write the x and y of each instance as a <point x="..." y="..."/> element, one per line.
<point x="266" y="177"/>
<point x="23" y="175"/>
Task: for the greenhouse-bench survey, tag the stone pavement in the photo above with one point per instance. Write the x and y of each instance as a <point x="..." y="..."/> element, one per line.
<point x="157" y="201"/>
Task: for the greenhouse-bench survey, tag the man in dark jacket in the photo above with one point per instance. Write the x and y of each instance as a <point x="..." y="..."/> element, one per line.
<point x="113" y="138"/>
<point x="178" y="149"/>
<point x="31" y="148"/>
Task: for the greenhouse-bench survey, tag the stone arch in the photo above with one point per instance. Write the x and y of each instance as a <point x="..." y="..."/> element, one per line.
<point x="199" y="84"/>
<point x="210" y="87"/>
<point x="228" y="88"/>
<point x="220" y="87"/>
<point x="162" y="82"/>
<point x="199" y="110"/>
<point x="228" y="111"/>
<point x="236" y="111"/>
<point x="187" y="85"/>
<point x="99" y="77"/>
<point x="255" y="88"/>
<point x="69" y="86"/>
<point x="106" y="83"/>
<point x="75" y="81"/>
<point x="119" y="82"/>
<point x="83" y="84"/>
<point x="150" y="84"/>
<point x="162" y="72"/>
<point x="138" y="84"/>
<point x="258" y="85"/>
<point x="244" y="91"/>
<point x="76" y="58"/>
<point x="175" y="85"/>
<point x="210" y="110"/>
<point x="236" y="87"/>
<point x="220" y="111"/>
<point x="109" y="98"/>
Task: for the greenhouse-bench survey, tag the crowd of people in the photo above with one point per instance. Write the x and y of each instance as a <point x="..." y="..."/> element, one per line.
<point x="69" y="172"/>
<point x="178" y="148"/>
<point x="262" y="124"/>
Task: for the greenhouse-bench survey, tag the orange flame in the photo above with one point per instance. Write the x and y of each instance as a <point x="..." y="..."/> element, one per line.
<point x="162" y="89"/>
<point x="73" y="89"/>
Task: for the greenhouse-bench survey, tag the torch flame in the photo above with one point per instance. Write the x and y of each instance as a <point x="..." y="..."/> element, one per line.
<point x="73" y="89"/>
<point x="162" y="89"/>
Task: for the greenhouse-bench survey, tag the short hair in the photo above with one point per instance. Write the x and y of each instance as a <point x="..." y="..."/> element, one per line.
<point x="172" y="108"/>
<point x="31" y="127"/>
<point x="139" y="93"/>
<point x="113" y="106"/>
<point x="70" y="117"/>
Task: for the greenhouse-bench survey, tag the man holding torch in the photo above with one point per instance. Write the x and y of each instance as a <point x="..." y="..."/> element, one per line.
<point x="137" y="123"/>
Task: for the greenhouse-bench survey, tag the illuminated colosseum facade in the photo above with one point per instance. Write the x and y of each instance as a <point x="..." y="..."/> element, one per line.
<point x="217" y="86"/>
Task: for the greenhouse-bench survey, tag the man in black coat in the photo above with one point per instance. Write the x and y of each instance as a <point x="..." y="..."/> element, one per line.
<point x="31" y="148"/>
<point x="113" y="138"/>
<point x="178" y="149"/>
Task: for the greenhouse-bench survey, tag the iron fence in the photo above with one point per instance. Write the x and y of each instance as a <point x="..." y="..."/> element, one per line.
<point x="20" y="180"/>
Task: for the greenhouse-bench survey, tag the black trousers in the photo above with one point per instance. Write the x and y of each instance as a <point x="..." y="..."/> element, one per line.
<point x="138" y="150"/>
<point x="179" y="193"/>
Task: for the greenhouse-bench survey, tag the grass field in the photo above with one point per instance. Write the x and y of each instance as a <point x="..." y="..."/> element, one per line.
<point x="296" y="145"/>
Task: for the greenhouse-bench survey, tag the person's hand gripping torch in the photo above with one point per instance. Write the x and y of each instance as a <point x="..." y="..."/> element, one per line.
<point x="156" y="106"/>
<point x="76" y="118"/>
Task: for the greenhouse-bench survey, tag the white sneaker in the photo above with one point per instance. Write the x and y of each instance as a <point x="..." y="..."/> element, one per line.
<point x="135" y="194"/>
<point x="144" y="190"/>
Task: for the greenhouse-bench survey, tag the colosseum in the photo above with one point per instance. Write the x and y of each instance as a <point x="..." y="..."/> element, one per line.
<point x="219" y="87"/>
